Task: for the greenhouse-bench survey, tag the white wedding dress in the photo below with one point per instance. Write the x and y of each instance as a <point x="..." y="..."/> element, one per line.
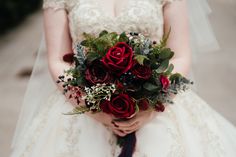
<point x="189" y="128"/>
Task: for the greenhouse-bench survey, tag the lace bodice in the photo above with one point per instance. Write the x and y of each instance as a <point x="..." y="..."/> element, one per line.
<point x="145" y="16"/>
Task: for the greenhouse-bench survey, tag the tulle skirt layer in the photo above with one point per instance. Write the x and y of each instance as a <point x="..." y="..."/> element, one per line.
<point x="189" y="128"/>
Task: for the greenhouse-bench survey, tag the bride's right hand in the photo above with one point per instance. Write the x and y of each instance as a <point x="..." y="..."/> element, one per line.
<point x="107" y="120"/>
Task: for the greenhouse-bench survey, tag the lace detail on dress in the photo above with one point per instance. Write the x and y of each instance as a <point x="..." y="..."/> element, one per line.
<point x="55" y="4"/>
<point x="88" y="16"/>
<point x="177" y="147"/>
<point x="69" y="138"/>
<point x="37" y="126"/>
<point x="202" y="119"/>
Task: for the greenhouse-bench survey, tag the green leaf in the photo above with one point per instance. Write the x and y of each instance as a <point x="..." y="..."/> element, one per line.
<point x="164" y="39"/>
<point x="78" y="110"/>
<point x="91" y="56"/>
<point x="85" y="43"/>
<point x="166" y="53"/>
<point x="169" y="70"/>
<point x="175" y="77"/>
<point x="164" y="65"/>
<point x="103" y="33"/>
<point x="140" y="58"/>
<point x="80" y="81"/>
<point x="150" y="87"/>
<point x="136" y="108"/>
<point x="88" y="36"/>
<point x="123" y="37"/>
<point x="137" y="49"/>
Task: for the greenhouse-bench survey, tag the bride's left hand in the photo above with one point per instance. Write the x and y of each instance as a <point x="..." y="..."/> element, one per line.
<point x="135" y="123"/>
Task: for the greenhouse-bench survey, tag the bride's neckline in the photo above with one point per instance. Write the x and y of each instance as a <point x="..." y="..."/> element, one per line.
<point x="118" y="11"/>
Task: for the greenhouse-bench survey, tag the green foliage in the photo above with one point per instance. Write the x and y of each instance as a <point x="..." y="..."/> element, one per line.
<point x="78" y="110"/>
<point x="163" y="66"/>
<point x="123" y="37"/>
<point x="163" y="42"/>
<point x="175" y="77"/>
<point x="169" y="70"/>
<point x="140" y="58"/>
<point x="92" y="56"/>
<point x="150" y="87"/>
<point x="166" y="53"/>
<point x="100" y="44"/>
<point x="155" y="56"/>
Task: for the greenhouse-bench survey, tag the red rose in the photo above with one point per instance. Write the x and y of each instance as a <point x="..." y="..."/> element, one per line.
<point x="159" y="107"/>
<point x="119" y="58"/>
<point x="142" y="72"/>
<point x="96" y="73"/>
<point x="143" y="104"/>
<point x="121" y="106"/>
<point x="165" y="82"/>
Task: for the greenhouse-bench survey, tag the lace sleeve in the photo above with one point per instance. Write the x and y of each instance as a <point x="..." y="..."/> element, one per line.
<point x="55" y="4"/>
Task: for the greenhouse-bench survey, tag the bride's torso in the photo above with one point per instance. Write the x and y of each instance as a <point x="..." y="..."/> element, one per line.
<point x="93" y="16"/>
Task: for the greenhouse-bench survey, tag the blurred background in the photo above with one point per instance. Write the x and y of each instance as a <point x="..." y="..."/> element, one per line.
<point x="20" y="36"/>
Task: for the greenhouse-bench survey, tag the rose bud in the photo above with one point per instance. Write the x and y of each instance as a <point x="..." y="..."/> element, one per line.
<point x="69" y="57"/>
<point x="159" y="107"/>
<point x="119" y="58"/>
<point x="143" y="104"/>
<point x="165" y="82"/>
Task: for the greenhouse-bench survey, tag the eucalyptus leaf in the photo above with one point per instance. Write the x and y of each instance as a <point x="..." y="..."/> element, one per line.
<point x="169" y="70"/>
<point x="166" y="53"/>
<point x="140" y="58"/>
<point x="150" y="87"/>
<point x="164" y="65"/>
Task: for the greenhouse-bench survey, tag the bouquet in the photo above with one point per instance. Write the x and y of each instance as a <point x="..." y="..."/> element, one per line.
<point x="121" y="74"/>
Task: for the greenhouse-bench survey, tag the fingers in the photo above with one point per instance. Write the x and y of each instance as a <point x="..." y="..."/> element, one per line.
<point x="130" y="130"/>
<point x="127" y="123"/>
<point x="119" y="132"/>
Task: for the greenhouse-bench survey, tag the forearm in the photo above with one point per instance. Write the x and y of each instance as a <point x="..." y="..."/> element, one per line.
<point x="181" y="65"/>
<point x="175" y="17"/>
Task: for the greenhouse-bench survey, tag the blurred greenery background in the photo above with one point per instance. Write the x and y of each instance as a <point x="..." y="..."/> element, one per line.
<point x="13" y="12"/>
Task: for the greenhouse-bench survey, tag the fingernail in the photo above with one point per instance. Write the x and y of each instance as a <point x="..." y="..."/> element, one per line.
<point x="115" y="124"/>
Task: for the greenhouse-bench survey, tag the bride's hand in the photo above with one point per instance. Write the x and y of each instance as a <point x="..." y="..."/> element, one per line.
<point x="135" y="123"/>
<point x="107" y="120"/>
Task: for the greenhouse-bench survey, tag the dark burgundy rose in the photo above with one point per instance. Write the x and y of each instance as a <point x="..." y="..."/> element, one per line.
<point x="121" y="106"/>
<point x="143" y="104"/>
<point x="159" y="107"/>
<point x="165" y="82"/>
<point x="142" y="72"/>
<point x="97" y="73"/>
<point x="119" y="58"/>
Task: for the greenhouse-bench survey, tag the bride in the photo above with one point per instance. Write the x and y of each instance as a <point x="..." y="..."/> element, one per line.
<point x="189" y="128"/>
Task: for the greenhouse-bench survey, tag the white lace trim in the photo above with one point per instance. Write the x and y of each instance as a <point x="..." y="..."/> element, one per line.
<point x="54" y="4"/>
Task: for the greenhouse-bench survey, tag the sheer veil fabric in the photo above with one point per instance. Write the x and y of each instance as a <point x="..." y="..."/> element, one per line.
<point x="41" y="84"/>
